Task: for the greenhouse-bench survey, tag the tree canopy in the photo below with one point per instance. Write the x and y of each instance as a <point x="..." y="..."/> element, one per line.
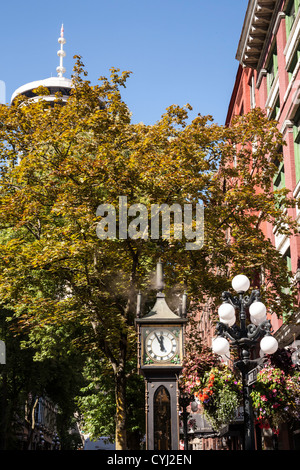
<point x="71" y="290"/>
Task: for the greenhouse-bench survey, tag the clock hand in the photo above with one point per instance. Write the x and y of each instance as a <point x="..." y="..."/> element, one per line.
<point x="160" y="340"/>
<point x="157" y="337"/>
<point x="162" y="346"/>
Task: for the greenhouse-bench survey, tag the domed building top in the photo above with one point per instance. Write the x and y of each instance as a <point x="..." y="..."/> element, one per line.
<point x="59" y="84"/>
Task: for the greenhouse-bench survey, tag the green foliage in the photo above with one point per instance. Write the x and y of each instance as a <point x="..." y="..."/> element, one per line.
<point x="198" y="359"/>
<point x="97" y="404"/>
<point x="23" y="379"/>
<point x="98" y="407"/>
<point x="275" y="394"/>
<point x="58" y="163"/>
<point x="275" y="397"/>
<point x="219" y="392"/>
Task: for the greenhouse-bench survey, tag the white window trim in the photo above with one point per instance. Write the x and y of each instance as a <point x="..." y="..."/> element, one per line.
<point x="292" y="42"/>
<point x="273" y="95"/>
<point x="292" y="81"/>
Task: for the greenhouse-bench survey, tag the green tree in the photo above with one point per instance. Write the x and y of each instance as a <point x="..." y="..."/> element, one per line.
<point x="23" y="380"/>
<point x="60" y="162"/>
<point x="97" y="404"/>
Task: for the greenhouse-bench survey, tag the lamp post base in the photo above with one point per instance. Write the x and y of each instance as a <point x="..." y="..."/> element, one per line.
<point x="249" y="433"/>
<point x="249" y="429"/>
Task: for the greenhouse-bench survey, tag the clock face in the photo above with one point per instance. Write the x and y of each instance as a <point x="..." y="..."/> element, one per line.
<point x="161" y="344"/>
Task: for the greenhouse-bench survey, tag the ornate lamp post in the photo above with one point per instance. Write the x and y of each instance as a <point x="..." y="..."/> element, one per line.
<point x="245" y="338"/>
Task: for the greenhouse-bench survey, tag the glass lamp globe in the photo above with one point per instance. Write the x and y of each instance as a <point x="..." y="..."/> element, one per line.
<point x="220" y="345"/>
<point x="226" y="311"/>
<point x="231" y="321"/>
<point x="240" y="283"/>
<point x="256" y="321"/>
<point x="269" y="344"/>
<point x="257" y="310"/>
<point x="194" y="406"/>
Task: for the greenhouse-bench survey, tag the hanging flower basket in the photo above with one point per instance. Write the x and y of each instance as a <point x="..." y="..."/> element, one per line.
<point x="220" y="394"/>
<point x="276" y="398"/>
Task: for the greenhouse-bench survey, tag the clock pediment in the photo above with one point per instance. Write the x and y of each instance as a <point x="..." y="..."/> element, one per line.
<point x="160" y="313"/>
<point x="161" y="310"/>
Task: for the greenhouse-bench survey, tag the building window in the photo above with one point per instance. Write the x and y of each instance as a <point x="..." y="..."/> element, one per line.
<point x="276" y="109"/>
<point x="296" y="132"/>
<point x="294" y="62"/>
<point x="272" y="68"/>
<point x="287" y="257"/>
<point x="279" y="179"/>
<point x="291" y="12"/>
<point x="252" y="93"/>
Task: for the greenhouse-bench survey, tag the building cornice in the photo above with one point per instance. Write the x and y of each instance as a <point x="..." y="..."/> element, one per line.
<point x="258" y="24"/>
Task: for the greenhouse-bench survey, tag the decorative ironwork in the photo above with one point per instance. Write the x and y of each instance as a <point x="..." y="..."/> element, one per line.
<point x="243" y="335"/>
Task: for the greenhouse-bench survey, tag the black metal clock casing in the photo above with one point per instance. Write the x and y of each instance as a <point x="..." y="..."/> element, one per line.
<point x="160" y="338"/>
<point x="160" y="360"/>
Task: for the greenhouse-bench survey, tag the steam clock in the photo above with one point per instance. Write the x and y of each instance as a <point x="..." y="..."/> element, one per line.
<point x="160" y="355"/>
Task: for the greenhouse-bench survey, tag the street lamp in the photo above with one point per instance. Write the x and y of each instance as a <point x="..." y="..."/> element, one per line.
<point x="244" y="337"/>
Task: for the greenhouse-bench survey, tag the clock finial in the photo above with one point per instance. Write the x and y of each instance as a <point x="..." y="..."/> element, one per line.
<point x="184" y="304"/>
<point x="138" y="304"/>
<point x="159" y="276"/>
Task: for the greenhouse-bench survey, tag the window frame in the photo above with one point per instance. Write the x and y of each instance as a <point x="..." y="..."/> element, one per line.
<point x="296" y="135"/>
<point x="272" y="68"/>
<point x="290" y="18"/>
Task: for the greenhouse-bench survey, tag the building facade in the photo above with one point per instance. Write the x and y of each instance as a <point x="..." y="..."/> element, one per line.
<point x="268" y="77"/>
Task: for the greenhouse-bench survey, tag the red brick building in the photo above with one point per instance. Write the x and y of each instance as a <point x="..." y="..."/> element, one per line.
<point x="268" y="77"/>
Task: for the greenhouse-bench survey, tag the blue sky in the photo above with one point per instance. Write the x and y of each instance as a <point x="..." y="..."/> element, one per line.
<point x="179" y="51"/>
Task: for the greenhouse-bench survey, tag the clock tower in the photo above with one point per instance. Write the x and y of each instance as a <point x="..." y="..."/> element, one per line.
<point x="160" y="355"/>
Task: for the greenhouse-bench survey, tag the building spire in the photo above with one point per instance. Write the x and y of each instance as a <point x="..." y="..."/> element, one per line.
<point x="61" y="53"/>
